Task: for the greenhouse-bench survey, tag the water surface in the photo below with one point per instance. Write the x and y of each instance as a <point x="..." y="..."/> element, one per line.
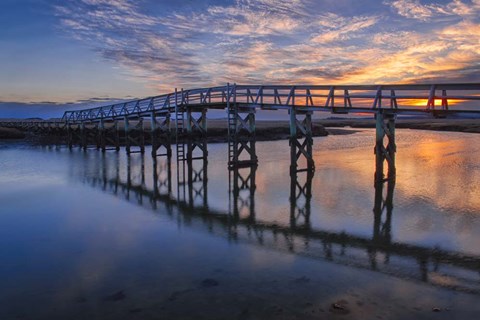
<point x="87" y="235"/>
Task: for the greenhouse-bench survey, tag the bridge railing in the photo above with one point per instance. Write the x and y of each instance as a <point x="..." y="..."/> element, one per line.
<point x="164" y="102"/>
<point x="424" y="98"/>
<point x="360" y="98"/>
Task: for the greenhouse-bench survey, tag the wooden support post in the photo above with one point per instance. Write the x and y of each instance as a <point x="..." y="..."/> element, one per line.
<point x="293" y="122"/>
<point x="301" y="141"/>
<point x="83" y="134"/>
<point x="127" y="134"/>
<point x="101" y="136"/>
<point x="197" y="134"/>
<point x="69" y="136"/>
<point x="140" y="135"/>
<point x="116" y="133"/>
<point x="241" y="137"/>
<point x="153" y="133"/>
<point x="117" y="136"/>
<point x="385" y="132"/>
<point x="189" y="121"/>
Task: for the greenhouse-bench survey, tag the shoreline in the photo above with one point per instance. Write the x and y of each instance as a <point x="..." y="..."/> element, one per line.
<point x="270" y="130"/>
<point x="454" y="125"/>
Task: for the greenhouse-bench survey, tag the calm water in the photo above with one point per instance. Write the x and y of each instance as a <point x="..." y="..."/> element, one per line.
<point x="86" y="235"/>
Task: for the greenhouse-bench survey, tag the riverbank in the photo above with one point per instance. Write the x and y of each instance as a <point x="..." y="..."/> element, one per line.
<point x="279" y="130"/>
<point x="11" y="133"/>
<point x="216" y="132"/>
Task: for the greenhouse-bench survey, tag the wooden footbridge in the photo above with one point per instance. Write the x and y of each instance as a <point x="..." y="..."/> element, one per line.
<point x="125" y="123"/>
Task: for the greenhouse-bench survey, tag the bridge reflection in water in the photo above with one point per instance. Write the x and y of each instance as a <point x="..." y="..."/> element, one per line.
<point x="186" y="202"/>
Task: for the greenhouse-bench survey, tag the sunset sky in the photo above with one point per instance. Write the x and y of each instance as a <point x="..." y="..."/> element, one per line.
<point x="94" y="50"/>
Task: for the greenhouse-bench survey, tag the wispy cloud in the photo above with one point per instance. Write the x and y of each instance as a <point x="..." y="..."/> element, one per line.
<point x="343" y="28"/>
<point x="413" y="9"/>
<point x="248" y="41"/>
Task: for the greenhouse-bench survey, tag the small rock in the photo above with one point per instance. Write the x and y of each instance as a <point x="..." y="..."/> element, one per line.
<point x="339" y="307"/>
<point x="436" y="309"/>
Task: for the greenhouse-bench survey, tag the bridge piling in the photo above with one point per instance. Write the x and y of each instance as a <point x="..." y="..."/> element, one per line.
<point x="385" y="153"/>
<point x="112" y="136"/>
<point x="69" y="136"/>
<point x="83" y="136"/>
<point x="160" y="135"/>
<point x="101" y="144"/>
<point x="127" y="134"/>
<point x="241" y="137"/>
<point x="134" y="136"/>
<point x="301" y="141"/>
<point x="197" y="134"/>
